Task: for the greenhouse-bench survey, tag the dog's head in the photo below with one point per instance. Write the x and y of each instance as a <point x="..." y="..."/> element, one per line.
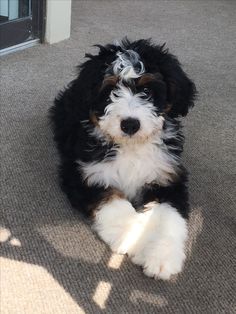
<point x="131" y="87"/>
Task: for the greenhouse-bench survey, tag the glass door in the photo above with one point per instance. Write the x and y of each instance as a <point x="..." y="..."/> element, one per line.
<point x="21" y="21"/>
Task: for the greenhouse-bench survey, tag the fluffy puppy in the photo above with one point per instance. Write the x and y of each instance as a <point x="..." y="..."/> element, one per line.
<point x="119" y="138"/>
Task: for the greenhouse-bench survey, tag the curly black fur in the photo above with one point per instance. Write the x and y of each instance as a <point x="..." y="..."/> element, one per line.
<point x="71" y="120"/>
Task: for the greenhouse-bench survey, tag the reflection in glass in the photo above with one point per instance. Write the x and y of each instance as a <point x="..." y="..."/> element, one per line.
<point x="14" y="9"/>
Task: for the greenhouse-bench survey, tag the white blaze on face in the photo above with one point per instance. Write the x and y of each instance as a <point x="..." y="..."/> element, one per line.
<point x="126" y="105"/>
<point x="128" y="65"/>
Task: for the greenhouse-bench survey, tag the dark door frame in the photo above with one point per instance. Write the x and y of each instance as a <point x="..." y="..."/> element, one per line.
<point x="24" y="29"/>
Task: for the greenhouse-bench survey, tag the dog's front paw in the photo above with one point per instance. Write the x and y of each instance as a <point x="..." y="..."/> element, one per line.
<point x="165" y="261"/>
<point x="114" y="224"/>
<point x="160" y="249"/>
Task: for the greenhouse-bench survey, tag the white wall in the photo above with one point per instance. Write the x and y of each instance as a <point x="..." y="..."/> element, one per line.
<point x="58" y="20"/>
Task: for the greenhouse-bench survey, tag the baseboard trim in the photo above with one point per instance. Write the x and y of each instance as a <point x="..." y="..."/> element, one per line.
<point x="18" y="47"/>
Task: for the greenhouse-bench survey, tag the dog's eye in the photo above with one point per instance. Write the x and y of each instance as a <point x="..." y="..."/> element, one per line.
<point x="146" y="91"/>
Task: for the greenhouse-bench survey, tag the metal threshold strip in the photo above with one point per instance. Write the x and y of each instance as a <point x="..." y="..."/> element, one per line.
<point x="18" y="47"/>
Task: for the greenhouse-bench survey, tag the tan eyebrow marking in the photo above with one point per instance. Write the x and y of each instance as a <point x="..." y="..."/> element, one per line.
<point x="146" y="78"/>
<point x="109" y="80"/>
<point x="149" y="77"/>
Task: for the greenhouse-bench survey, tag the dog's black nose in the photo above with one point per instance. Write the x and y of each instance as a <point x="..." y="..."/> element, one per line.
<point x="130" y="126"/>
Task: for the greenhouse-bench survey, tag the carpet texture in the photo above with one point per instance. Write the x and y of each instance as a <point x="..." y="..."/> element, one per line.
<point x="51" y="262"/>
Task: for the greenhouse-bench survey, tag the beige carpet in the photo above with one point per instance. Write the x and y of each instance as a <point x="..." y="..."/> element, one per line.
<point x="51" y="262"/>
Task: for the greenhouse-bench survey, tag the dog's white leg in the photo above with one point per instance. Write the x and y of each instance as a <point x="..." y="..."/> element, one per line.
<point x="115" y="224"/>
<point x="154" y="239"/>
<point x="160" y="249"/>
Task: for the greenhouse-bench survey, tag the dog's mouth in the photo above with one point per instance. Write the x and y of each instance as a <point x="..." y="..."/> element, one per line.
<point x="137" y="138"/>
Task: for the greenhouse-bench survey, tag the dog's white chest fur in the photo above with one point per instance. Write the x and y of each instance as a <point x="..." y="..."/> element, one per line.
<point x="133" y="166"/>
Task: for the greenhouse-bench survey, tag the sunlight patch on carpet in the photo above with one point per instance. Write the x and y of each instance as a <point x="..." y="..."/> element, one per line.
<point x="102" y="293"/>
<point x="115" y="261"/>
<point x="27" y="288"/>
<point x="156" y="299"/>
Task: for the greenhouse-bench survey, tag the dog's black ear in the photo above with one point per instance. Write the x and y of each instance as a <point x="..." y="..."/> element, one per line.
<point x="181" y="91"/>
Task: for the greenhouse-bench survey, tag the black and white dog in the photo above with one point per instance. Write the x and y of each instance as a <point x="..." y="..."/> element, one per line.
<point x="117" y="131"/>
